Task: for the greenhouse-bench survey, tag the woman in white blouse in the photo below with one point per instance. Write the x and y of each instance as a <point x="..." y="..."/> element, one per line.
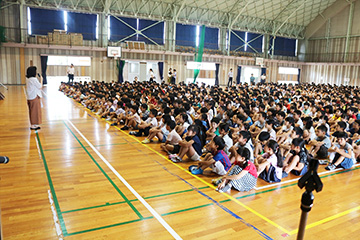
<point x="33" y="94"/>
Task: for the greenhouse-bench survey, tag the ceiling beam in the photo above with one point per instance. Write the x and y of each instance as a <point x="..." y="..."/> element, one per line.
<point x="288" y="17"/>
<point x="322" y="18"/>
<point x="231" y="24"/>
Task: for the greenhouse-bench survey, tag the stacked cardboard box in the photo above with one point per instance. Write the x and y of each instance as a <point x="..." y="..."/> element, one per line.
<point x="55" y="38"/>
<point x="42" y="39"/>
<point x="76" y="39"/>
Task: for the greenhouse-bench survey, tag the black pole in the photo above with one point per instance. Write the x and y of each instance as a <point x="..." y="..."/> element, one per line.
<point x="311" y="182"/>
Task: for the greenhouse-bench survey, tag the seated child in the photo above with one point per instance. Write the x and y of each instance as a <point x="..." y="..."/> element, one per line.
<point x="183" y="124"/>
<point x="191" y="146"/>
<point x="270" y="163"/>
<point x="297" y="160"/>
<point x="244" y="140"/>
<point x="213" y="130"/>
<point x="258" y="125"/>
<point x="133" y="119"/>
<point x="160" y="132"/>
<point x="242" y="176"/>
<point x="171" y="145"/>
<point x="344" y="154"/>
<point x="224" y="133"/>
<point x="285" y="131"/>
<point x="145" y="126"/>
<point x="260" y="143"/>
<point x="269" y="127"/>
<point x="320" y="146"/>
<point x="297" y="132"/>
<point x="217" y="160"/>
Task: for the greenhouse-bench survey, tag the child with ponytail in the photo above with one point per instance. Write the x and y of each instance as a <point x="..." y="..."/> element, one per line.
<point x="270" y="163"/>
<point x="242" y="175"/>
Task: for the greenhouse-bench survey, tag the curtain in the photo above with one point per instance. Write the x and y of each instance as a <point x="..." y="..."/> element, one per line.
<point x="200" y="50"/>
<point x="155" y="33"/>
<point x="217" y="65"/>
<point x="2" y="34"/>
<point x="299" y="76"/>
<point x="284" y="46"/>
<point x="161" y="70"/>
<point x="120" y="30"/>
<point x="185" y="35"/>
<point x="44" y="60"/>
<point x="212" y="38"/>
<point x="82" y="23"/>
<point x="263" y="71"/>
<point x="235" y="42"/>
<point x="120" y="65"/>
<point x="238" y="76"/>
<point x="44" y="21"/>
<point x="255" y="41"/>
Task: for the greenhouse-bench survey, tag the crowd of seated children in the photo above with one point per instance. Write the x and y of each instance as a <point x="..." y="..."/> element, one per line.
<point x="242" y="133"/>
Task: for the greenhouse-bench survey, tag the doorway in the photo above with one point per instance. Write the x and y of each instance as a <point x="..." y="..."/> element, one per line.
<point x="246" y="74"/>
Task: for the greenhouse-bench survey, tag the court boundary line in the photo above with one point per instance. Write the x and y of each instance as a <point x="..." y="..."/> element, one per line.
<point x="52" y="189"/>
<point x="131" y="200"/>
<point x="106" y="175"/>
<point x="206" y="183"/>
<point x="218" y="204"/>
<point x="328" y="219"/>
<point x="152" y="211"/>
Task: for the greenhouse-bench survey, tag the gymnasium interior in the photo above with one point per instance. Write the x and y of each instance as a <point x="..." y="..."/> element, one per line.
<point x="81" y="177"/>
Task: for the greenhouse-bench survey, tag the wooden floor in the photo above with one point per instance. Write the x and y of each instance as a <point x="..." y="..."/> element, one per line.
<point x="59" y="177"/>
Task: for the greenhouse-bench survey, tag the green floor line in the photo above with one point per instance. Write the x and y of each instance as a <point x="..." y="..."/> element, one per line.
<point x="107" y="176"/>
<point x="52" y="189"/>
<point x="132" y="200"/>
<point x="107" y="226"/>
<point x="100" y="145"/>
<point x="137" y="220"/>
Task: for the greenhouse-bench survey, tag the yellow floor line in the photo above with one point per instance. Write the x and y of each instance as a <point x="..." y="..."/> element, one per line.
<point x="203" y="181"/>
<point x="327" y="219"/>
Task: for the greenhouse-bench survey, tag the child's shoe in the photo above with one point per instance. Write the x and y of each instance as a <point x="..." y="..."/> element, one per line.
<point x="145" y="141"/>
<point x="197" y="171"/>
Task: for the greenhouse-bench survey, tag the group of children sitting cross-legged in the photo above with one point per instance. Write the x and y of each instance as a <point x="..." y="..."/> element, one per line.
<point x="238" y="138"/>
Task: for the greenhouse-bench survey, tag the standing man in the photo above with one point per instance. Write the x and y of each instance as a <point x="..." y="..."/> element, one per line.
<point x="252" y="79"/>
<point x="230" y="75"/>
<point x="173" y="79"/>
<point x="33" y="95"/>
<point x="263" y="78"/>
<point x="71" y="72"/>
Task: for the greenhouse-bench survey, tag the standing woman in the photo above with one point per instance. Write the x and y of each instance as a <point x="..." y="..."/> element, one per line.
<point x="33" y="94"/>
<point x="152" y="75"/>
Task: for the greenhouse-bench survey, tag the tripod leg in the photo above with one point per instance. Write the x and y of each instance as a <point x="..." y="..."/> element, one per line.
<point x="302" y="225"/>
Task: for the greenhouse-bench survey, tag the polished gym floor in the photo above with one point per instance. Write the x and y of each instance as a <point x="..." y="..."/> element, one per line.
<point x="79" y="178"/>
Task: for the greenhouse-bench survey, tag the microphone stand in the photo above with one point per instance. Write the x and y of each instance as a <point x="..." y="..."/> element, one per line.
<point x="311" y="182"/>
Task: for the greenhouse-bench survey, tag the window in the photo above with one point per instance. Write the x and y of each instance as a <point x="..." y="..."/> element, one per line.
<point x="97" y="26"/>
<point x="197" y="35"/>
<point x="29" y="20"/>
<point x="44" y="21"/>
<point x="109" y="29"/>
<point x="65" y="21"/>
<point x="246" y="40"/>
<point x="288" y="70"/>
<point x="56" y="60"/>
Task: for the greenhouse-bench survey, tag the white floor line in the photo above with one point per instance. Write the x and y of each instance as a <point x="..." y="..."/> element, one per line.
<point x="295" y="179"/>
<point x="153" y="212"/>
<point x="56" y="220"/>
